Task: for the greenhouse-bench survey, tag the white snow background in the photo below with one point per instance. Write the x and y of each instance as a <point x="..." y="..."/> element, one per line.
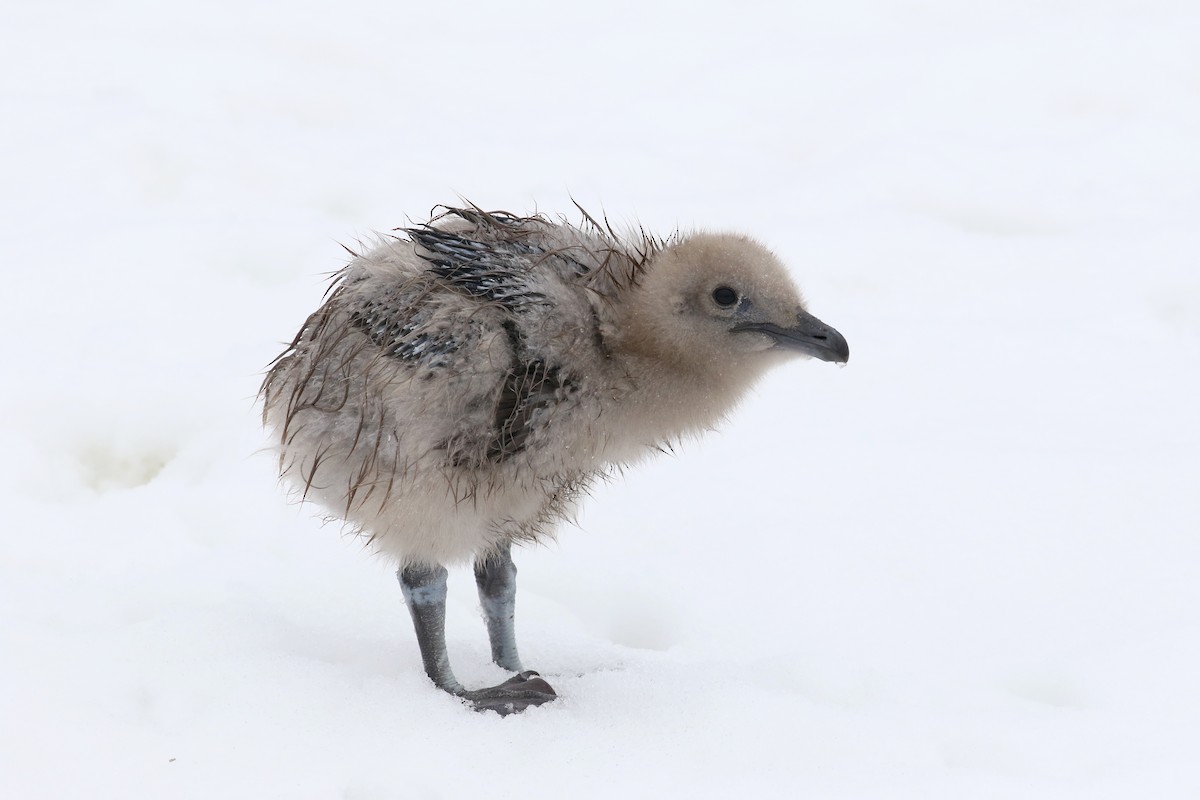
<point x="967" y="565"/>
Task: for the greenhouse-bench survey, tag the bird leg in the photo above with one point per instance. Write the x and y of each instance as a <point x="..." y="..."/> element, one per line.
<point x="496" y="577"/>
<point x="424" y="590"/>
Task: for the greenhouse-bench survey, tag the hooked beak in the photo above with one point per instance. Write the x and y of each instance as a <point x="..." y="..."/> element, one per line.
<point x="808" y="335"/>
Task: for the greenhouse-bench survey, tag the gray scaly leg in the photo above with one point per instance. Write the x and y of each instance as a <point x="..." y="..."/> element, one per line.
<point x="496" y="577"/>
<point x="424" y="590"/>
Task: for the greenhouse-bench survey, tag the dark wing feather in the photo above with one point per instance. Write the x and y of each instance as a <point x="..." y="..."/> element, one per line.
<point x="529" y="390"/>
<point x="495" y="271"/>
<point x="402" y="329"/>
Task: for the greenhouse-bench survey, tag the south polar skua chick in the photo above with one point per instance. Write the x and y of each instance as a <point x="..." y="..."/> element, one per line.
<point x="466" y="380"/>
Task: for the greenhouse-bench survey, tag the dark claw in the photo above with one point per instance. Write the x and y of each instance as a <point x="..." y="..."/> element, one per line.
<point x="516" y="694"/>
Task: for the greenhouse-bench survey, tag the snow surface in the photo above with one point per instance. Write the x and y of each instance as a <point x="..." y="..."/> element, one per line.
<point x="965" y="566"/>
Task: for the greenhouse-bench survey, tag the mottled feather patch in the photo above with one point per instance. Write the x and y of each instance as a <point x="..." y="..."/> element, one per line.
<point x="404" y="333"/>
<point x="529" y="390"/>
<point x="494" y="271"/>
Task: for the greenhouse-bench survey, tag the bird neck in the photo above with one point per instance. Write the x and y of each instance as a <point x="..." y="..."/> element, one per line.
<point x="673" y="388"/>
<point x="666" y="403"/>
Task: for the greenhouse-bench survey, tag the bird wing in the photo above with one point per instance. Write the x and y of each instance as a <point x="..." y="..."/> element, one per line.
<point x="465" y="316"/>
<point x="499" y="259"/>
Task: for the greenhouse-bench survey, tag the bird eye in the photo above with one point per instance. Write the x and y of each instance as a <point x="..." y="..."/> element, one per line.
<point x="724" y="296"/>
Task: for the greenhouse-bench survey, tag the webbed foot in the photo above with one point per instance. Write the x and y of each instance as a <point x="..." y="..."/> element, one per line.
<point x="516" y="694"/>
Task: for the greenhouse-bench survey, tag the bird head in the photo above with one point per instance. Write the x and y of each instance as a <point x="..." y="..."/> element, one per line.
<point x="724" y="305"/>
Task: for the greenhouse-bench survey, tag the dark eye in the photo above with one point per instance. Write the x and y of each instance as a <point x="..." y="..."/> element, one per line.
<point x="724" y="296"/>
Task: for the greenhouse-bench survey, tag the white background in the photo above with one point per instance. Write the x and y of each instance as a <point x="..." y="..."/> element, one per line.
<point x="964" y="566"/>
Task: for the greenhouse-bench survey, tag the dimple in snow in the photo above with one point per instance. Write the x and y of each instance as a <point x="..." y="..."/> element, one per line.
<point x="465" y="383"/>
